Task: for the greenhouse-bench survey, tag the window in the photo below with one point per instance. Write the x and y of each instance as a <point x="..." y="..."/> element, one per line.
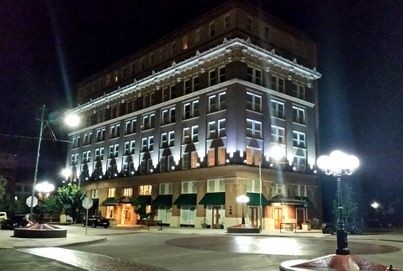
<point x="168" y="116"/>
<point x="129" y="147"/>
<point x="212" y="77"/>
<point x="221" y="74"/>
<point x="277" y="109"/>
<point x="165" y="189"/>
<point x="195" y="85"/>
<point x="216" y="156"/>
<point x="185" y="44"/>
<point x="191" y="109"/>
<point x="162" y="54"/>
<point x="227" y="21"/>
<point x="87" y="138"/>
<point x="147" y="143"/>
<point x="151" y="59"/>
<point x="299" y="91"/>
<point x="148" y="121"/>
<point x="114" y="131"/>
<point x="95" y="193"/>
<point x="253" y="156"/>
<point x="277" y="134"/>
<point x="191" y="134"/>
<point x="128" y="192"/>
<point x="145" y="189"/>
<point x="298" y="139"/>
<point x="99" y="154"/>
<point x="249" y="24"/>
<point x="217" y="76"/>
<point x="212" y="30"/>
<point x="253" y="102"/>
<point x="190" y="85"/>
<point x="167" y="139"/>
<point x="76" y="142"/>
<point x="100" y="135"/>
<point x="113" y="150"/>
<point x="298" y="115"/>
<point x="253" y="186"/>
<point x="172" y="92"/>
<point x="277" y="83"/>
<point x="197" y="36"/>
<point x="188" y="187"/>
<point x="130" y="127"/>
<point x="266" y="32"/>
<point x="217" y="185"/>
<point x="74" y="159"/>
<point x="253" y="128"/>
<point x="216" y="102"/>
<point x="254" y="75"/>
<point x="216" y="129"/>
<point x="299" y="161"/>
<point x="111" y="192"/>
<point x="86" y="157"/>
<point x="173" y="48"/>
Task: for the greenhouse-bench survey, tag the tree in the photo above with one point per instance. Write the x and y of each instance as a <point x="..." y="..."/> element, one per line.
<point x="3" y="184"/>
<point x="70" y="198"/>
<point x="51" y="206"/>
<point x="350" y="206"/>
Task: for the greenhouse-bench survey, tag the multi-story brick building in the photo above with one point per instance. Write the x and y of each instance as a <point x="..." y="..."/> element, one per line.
<point x="224" y="106"/>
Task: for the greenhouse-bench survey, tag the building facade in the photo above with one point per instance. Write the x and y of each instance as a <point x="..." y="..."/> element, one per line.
<point x="224" y="106"/>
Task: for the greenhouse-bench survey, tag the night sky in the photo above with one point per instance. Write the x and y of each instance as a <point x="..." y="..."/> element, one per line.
<point x="47" y="47"/>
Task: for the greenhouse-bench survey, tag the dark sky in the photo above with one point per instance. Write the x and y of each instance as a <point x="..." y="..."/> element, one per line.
<point x="47" y="47"/>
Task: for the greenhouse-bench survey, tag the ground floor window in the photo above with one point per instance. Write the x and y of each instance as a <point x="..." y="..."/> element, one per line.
<point x="164" y="214"/>
<point x="188" y="215"/>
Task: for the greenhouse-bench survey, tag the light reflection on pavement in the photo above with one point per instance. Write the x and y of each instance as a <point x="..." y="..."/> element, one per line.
<point x="88" y="261"/>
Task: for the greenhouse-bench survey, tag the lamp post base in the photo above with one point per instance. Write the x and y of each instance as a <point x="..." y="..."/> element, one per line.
<point x="342" y="245"/>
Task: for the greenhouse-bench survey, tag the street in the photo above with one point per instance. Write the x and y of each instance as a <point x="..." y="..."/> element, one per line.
<point x="190" y="250"/>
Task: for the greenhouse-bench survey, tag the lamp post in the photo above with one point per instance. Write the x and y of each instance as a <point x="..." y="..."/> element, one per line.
<point x="71" y="120"/>
<point x="243" y="199"/>
<point x="338" y="164"/>
<point x="44" y="188"/>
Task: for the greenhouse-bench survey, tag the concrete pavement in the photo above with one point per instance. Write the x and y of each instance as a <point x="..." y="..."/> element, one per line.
<point x="14" y="257"/>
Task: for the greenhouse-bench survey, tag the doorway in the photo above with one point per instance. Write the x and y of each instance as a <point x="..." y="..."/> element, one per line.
<point x="278" y="217"/>
<point x="300" y="217"/>
<point x="254" y="216"/>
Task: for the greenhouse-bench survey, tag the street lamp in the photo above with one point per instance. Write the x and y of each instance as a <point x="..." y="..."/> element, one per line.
<point x="72" y="121"/>
<point x="44" y="188"/>
<point x="338" y="164"/>
<point x="243" y="199"/>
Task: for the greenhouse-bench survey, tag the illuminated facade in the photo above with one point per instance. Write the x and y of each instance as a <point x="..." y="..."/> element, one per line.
<point x="226" y="105"/>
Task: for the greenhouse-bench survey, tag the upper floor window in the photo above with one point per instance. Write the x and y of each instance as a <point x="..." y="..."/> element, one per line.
<point x="299" y="160"/>
<point x="95" y="193"/>
<point x="217" y="76"/>
<point x="148" y="121"/>
<point x="299" y="91"/>
<point x="168" y="115"/>
<point x="185" y="44"/>
<point x="277" y="83"/>
<point x="249" y="24"/>
<point x="114" y="150"/>
<point x="130" y="147"/>
<point x="190" y="134"/>
<point x="216" y="102"/>
<point x="100" y="135"/>
<point x="298" y="139"/>
<point x="253" y="128"/>
<point x="165" y="189"/>
<point x="191" y="109"/>
<point x="253" y="102"/>
<point x="147" y="143"/>
<point x="217" y="185"/>
<point x="216" y="129"/>
<point x="298" y="115"/>
<point x="87" y="138"/>
<point x="188" y="187"/>
<point x="167" y="139"/>
<point x="197" y="36"/>
<point x="99" y="154"/>
<point x="169" y="93"/>
<point x="145" y="189"/>
<point x="128" y="192"/>
<point x="253" y="186"/>
<point x="86" y="157"/>
<point x="212" y="30"/>
<point x="76" y="142"/>
<point x="254" y="75"/>
<point x="74" y="159"/>
<point x="151" y="59"/>
<point x="267" y="33"/>
<point x="114" y="131"/>
<point x="277" y="134"/>
<point x="277" y="109"/>
<point x="173" y="48"/>
<point x="111" y="192"/>
<point x="130" y="127"/>
<point x="190" y="85"/>
<point x="227" y="21"/>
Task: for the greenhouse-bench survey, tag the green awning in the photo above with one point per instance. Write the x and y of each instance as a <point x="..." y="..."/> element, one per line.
<point x="142" y="200"/>
<point x="163" y="200"/>
<point x="125" y="200"/>
<point x="110" y="202"/>
<point x="186" y="199"/>
<point x="254" y="199"/>
<point x="217" y="198"/>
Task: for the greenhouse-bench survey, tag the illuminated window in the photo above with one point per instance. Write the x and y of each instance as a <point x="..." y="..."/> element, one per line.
<point x="298" y="139"/>
<point x="212" y="30"/>
<point x="253" y="102"/>
<point x="128" y="192"/>
<point x="277" y="109"/>
<point x="185" y="42"/>
<point x="277" y="83"/>
<point x="217" y="185"/>
<point x="253" y="156"/>
<point x="298" y="115"/>
<point x="188" y="187"/>
<point x="111" y="192"/>
<point x="253" y="128"/>
<point x="145" y="189"/>
<point x="254" y="75"/>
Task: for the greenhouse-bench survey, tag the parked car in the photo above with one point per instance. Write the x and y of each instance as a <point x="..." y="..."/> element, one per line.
<point x="95" y="221"/>
<point x="3" y="216"/>
<point x="353" y="225"/>
<point x="15" y="221"/>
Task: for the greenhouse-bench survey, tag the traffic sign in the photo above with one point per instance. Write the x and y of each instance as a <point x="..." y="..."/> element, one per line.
<point x="87" y="203"/>
<point x="34" y="202"/>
